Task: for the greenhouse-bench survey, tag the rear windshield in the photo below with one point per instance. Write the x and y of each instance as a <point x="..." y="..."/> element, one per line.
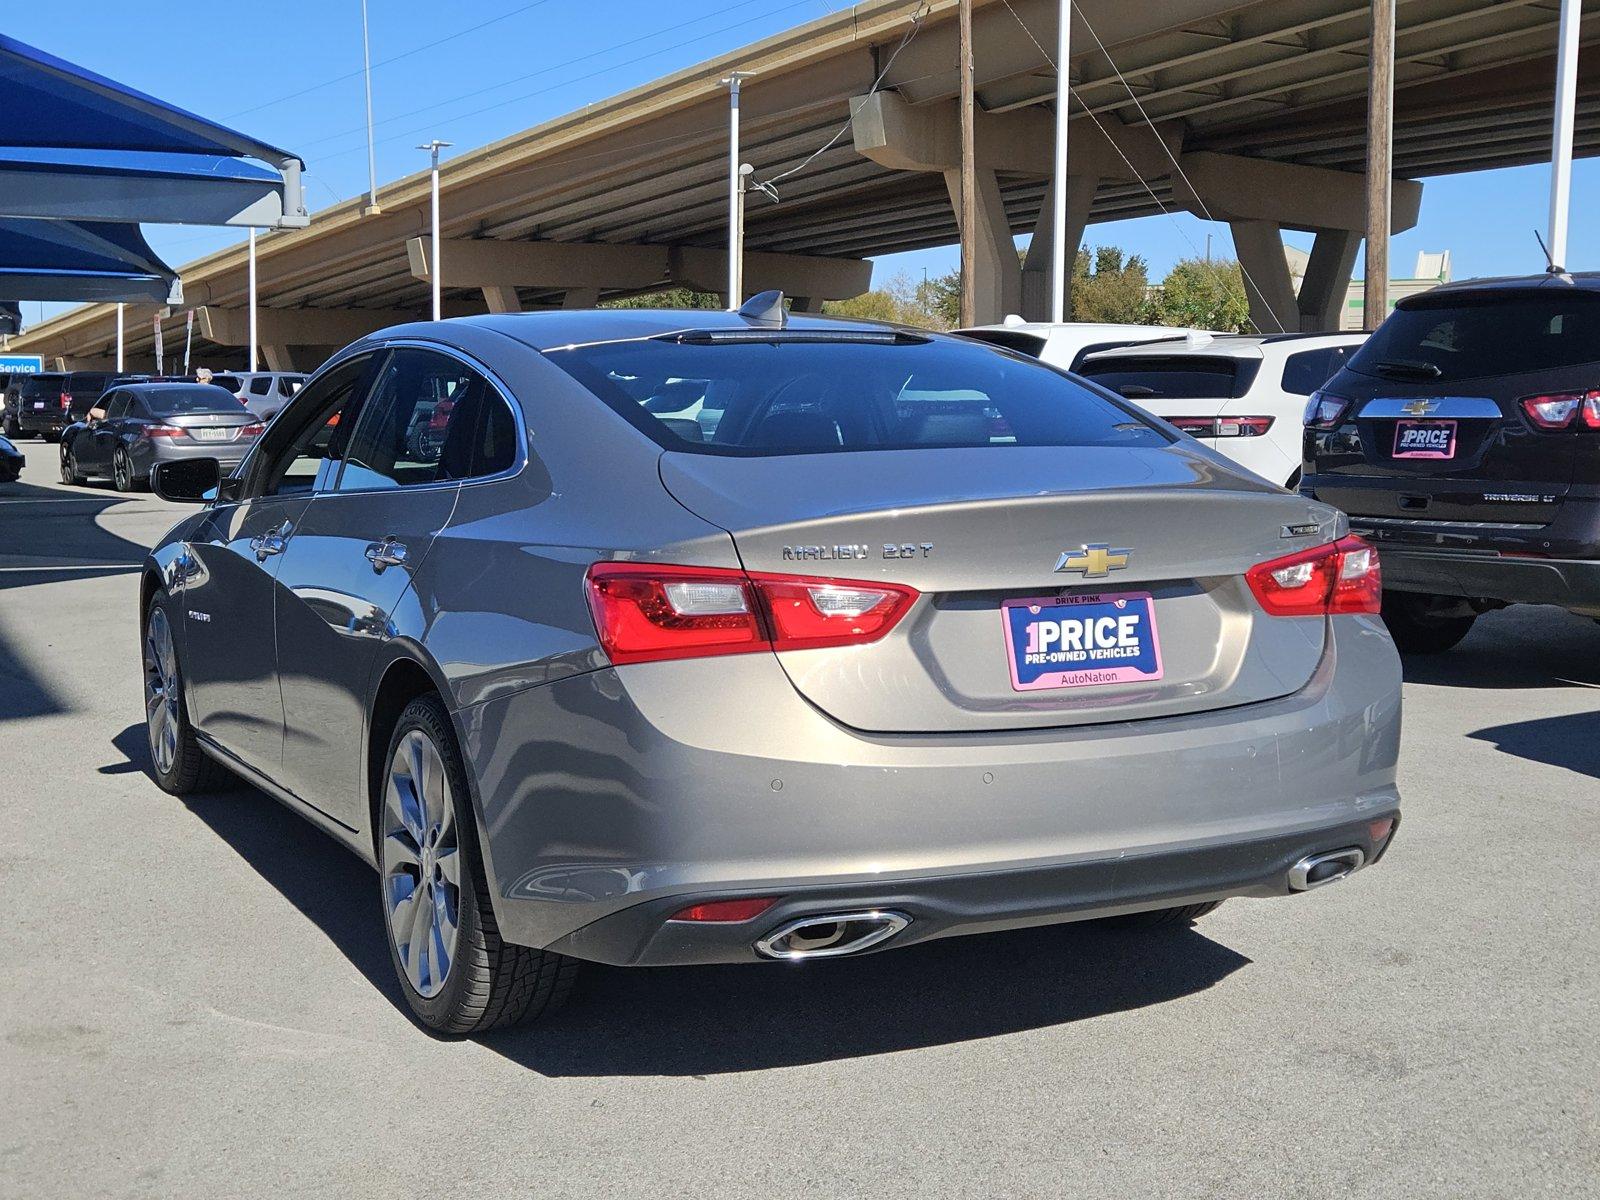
<point x="813" y="397"/>
<point x="201" y="398"/>
<point x="1489" y="333"/>
<point x="87" y="385"/>
<point x="38" y="385"/>
<point x="1148" y="377"/>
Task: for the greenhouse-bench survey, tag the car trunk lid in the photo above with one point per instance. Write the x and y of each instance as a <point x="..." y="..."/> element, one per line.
<point x="981" y="533"/>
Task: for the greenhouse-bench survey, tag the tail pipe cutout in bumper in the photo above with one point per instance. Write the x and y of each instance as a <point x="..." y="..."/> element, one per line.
<point x="831" y="935"/>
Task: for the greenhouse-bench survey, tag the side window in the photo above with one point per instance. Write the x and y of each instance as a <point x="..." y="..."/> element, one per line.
<point x="303" y="447"/>
<point x="117" y="406"/>
<point x="260" y="385"/>
<point x="418" y="426"/>
<point x="1305" y="372"/>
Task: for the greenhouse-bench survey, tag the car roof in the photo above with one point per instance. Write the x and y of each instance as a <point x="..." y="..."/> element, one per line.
<point x="559" y="328"/>
<point x="1095" y="328"/>
<point x="168" y="385"/>
<point x="1584" y="281"/>
<point x="1241" y="345"/>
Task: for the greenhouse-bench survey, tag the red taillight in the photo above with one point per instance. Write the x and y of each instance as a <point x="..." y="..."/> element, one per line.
<point x="161" y="431"/>
<point x="1557" y="410"/>
<point x="250" y="431"/>
<point x="1324" y="411"/>
<point x="1341" y="577"/>
<point x="1215" y="427"/>
<point x="66" y="401"/>
<point x="725" y="910"/>
<point x="645" y="613"/>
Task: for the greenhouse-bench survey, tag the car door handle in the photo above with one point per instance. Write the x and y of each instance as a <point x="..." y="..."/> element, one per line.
<point x="385" y="554"/>
<point x="272" y="542"/>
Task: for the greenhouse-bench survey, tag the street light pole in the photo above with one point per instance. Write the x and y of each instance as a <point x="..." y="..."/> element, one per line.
<point x="119" y="339"/>
<point x="433" y="148"/>
<point x="735" y="196"/>
<point x="1058" y="225"/>
<point x="372" y="208"/>
<point x="252" y="286"/>
<point x="1561" y="144"/>
<point x="969" y="176"/>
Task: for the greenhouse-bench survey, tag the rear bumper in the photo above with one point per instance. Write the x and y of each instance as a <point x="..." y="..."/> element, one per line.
<point x="146" y="455"/>
<point x="1570" y="583"/>
<point x="49" y="421"/>
<point x="611" y="799"/>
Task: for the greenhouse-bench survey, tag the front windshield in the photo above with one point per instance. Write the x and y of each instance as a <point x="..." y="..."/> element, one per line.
<point x="790" y="396"/>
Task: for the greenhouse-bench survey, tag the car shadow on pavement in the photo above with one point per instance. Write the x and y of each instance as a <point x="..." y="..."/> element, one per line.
<point x="714" y="1020"/>
<point x="1522" y="647"/>
<point x="1571" y="741"/>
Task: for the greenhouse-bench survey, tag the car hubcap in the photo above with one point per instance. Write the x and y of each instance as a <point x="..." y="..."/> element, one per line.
<point x="161" y="692"/>
<point x="421" y="863"/>
<point x="122" y="472"/>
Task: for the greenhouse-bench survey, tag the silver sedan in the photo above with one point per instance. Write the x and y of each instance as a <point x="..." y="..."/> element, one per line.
<point x="683" y="637"/>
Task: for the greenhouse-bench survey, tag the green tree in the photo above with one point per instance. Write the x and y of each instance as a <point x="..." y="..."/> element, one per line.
<point x="678" y="297"/>
<point x="1109" y="286"/>
<point x="1202" y="295"/>
<point x="930" y="304"/>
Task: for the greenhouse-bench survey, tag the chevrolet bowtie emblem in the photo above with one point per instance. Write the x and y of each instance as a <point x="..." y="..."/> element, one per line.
<point x="1096" y="560"/>
<point x="1419" y="408"/>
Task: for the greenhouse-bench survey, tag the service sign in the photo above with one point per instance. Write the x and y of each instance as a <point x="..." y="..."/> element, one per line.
<point x="1071" y="640"/>
<point x="21" y="364"/>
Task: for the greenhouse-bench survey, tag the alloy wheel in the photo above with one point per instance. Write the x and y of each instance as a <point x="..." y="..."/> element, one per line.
<point x="123" y="472"/>
<point x="162" y="694"/>
<point x="421" y="860"/>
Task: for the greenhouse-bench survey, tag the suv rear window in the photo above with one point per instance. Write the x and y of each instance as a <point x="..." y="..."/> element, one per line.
<point x="802" y="395"/>
<point x="1191" y="377"/>
<point x="1489" y="333"/>
<point x="40" y="385"/>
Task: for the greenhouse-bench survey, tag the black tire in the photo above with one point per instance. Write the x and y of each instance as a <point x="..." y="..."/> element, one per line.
<point x="191" y="770"/>
<point x="1156" y="918"/>
<point x="1417" y="628"/>
<point x="490" y="983"/>
<point x="70" y="474"/>
<point x="13" y="431"/>
<point x="123" y="476"/>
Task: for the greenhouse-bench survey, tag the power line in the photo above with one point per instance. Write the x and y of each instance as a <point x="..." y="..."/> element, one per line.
<point x="383" y="62"/>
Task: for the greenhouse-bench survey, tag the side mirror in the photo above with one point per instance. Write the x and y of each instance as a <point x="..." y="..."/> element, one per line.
<point x="187" y="481"/>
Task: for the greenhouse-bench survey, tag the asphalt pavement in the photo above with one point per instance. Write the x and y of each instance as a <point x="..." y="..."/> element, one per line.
<point x="195" y="997"/>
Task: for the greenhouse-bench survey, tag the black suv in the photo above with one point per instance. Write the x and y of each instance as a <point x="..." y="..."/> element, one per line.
<point x="1464" y="438"/>
<point x="47" y="403"/>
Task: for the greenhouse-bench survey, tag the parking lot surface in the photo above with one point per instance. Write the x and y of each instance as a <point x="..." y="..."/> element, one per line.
<point x="196" y="998"/>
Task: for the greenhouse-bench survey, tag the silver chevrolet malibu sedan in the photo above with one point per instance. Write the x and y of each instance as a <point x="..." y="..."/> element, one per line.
<point x="683" y="637"/>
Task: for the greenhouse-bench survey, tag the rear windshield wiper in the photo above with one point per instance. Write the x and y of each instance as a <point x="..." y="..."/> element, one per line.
<point x="1414" y="367"/>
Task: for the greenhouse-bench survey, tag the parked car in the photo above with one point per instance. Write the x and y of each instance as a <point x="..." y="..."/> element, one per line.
<point x="149" y="423"/>
<point x="11" y="462"/>
<point x="1465" y="438"/>
<point x="46" y="404"/>
<point x="1066" y="344"/>
<point x="1242" y="395"/>
<point x="921" y="638"/>
<point x="266" y="392"/>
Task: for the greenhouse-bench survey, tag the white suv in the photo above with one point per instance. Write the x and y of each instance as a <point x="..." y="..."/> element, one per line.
<point x="1066" y="344"/>
<point x="1243" y="395"/>
<point x="265" y="392"/>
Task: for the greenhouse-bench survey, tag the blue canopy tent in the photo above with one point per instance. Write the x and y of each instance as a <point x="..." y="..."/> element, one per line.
<point x="83" y="154"/>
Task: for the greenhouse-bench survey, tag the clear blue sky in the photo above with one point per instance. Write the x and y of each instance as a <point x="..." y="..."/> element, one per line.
<point x="273" y="70"/>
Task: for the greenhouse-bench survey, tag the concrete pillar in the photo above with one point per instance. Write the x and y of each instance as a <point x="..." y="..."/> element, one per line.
<point x="580" y="297"/>
<point x="501" y="299"/>
<point x="997" y="267"/>
<point x="805" y="304"/>
<point x="1267" y="283"/>
<point x="276" y="357"/>
<point x="1327" y="279"/>
<point x="1081" y="190"/>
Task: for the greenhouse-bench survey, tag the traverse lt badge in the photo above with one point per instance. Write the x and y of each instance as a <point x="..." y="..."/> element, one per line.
<point x="1096" y="560"/>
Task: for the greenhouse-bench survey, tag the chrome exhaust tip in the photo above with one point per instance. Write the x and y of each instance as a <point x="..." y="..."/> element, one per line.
<point x="1317" y="869"/>
<point x="831" y="935"/>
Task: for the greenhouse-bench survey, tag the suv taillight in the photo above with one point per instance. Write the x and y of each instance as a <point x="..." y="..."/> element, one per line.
<point x="1559" y="410"/>
<point x="66" y="401"/>
<point x="645" y="612"/>
<point x="1325" y="411"/>
<point x="1340" y="577"/>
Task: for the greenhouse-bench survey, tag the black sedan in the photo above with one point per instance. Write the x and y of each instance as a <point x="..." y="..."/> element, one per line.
<point x="138" y="425"/>
<point x="11" y="462"/>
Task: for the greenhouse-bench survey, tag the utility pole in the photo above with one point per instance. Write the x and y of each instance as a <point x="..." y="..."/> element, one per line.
<point x="735" y="196"/>
<point x="119" y="339"/>
<point x="252" y="286"/>
<point x="1058" y="225"/>
<point x="1561" y="143"/>
<point x="969" y="177"/>
<point x="434" y="270"/>
<point x="1380" y="162"/>
<point x="372" y="208"/>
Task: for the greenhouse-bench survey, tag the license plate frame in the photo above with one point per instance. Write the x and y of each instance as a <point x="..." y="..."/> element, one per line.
<point x="211" y="433"/>
<point x="1407" y="430"/>
<point x="1025" y="623"/>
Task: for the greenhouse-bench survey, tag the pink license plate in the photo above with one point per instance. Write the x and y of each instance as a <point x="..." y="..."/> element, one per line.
<point x="1425" y="439"/>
